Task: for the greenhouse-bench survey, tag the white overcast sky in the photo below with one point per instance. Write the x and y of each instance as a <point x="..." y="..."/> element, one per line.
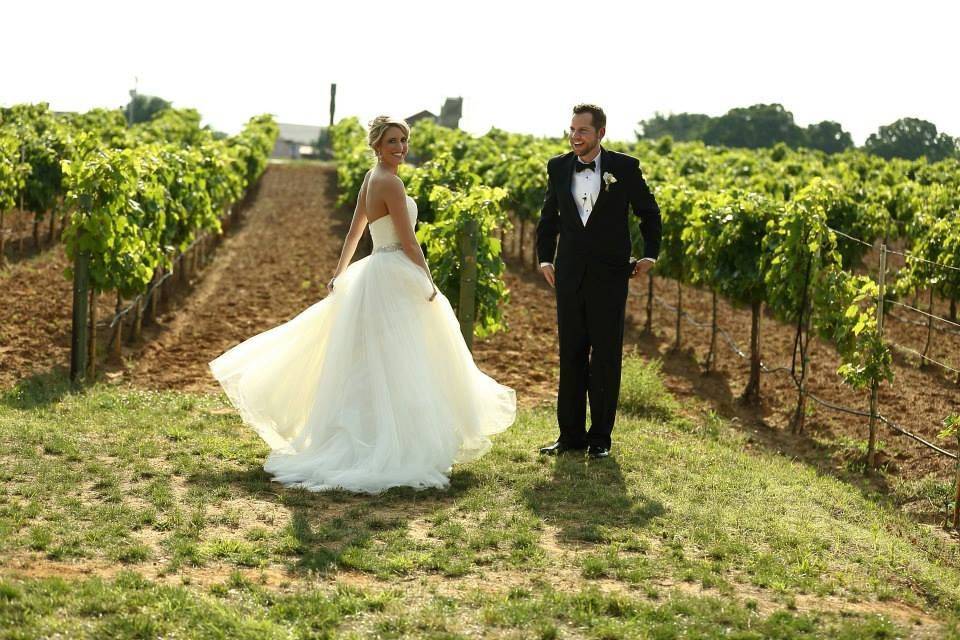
<point x="519" y="64"/>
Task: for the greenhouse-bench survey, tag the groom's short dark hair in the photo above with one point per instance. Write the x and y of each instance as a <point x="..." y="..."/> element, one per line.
<point x="596" y="113"/>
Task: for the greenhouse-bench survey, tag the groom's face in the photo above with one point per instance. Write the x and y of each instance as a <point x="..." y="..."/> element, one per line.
<point x="584" y="137"/>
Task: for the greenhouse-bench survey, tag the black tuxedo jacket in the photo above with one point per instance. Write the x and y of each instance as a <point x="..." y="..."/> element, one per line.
<point x="601" y="248"/>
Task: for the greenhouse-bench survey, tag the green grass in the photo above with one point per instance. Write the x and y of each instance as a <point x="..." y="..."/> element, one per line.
<point x="681" y="533"/>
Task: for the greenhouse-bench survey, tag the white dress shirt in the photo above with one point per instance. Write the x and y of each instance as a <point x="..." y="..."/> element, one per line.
<point x="585" y="187"/>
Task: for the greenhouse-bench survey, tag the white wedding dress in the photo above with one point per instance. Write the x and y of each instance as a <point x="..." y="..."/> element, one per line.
<point x="371" y="387"/>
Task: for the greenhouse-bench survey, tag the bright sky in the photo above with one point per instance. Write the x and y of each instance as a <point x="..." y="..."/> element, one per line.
<point x="519" y="64"/>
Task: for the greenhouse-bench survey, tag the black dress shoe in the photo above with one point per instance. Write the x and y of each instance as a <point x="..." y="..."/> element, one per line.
<point x="598" y="452"/>
<point x="559" y="447"/>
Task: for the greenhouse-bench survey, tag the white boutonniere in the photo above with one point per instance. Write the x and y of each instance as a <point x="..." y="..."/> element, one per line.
<point x="608" y="179"/>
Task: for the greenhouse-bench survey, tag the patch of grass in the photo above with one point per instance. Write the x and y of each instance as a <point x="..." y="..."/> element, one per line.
<point x="642" y="392"/>
<point x="612" y="562"/>
<point x="133" y="476"/>
<point x="596" y="614"/>
<point x="238" y="552"/>
<point x="131" y="607"/>
<point x="926" y="495"/>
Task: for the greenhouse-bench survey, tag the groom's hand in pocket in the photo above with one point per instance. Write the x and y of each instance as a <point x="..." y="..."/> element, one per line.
<point x="548" y="274"/>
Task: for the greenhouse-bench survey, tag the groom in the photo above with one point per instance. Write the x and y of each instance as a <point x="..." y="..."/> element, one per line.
<point x="588" y="192"/>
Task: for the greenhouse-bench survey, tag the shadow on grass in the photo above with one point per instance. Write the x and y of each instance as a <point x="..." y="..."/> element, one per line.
<point x="38" y="390"/>
<point x="584" y="497"/>
<point x="336" y="529"/>
<point x="753" y="419"/>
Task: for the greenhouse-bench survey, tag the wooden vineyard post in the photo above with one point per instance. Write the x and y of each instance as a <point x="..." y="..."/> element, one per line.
<point x="676" y="344"/>
<point x="468" y="280"/>
<point x="170" y="284"/>
<point x="166" y="287"/>
<point x="187" y="262"/>
<point x="137" y="331"/>
<point x="751" y="394"/>
<point x="926" y="347"/>
<point x="81" y="309"/>
<point x="523" y="228"/>
<point x="3" y="236"/>
<point x="803" y="339"/>
<point x="52" y="229"/>
<point x="92" y="337"/>
<point x="20" y="213"/>
<point x="802" y="342"/>
<point x="116" y="351"/>
<point x="182" y="268"/>
<point x="157" y="296"/>
<point x="875" y="384"/>
<point x="711" y="360"/>
<point x="23" y="161"/>
<point x="156" y="286"/>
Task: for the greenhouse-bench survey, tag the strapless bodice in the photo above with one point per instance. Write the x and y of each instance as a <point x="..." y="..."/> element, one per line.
<point x="384" y="233"/>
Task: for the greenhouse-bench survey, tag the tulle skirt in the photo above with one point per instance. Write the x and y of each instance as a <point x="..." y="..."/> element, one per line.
<point x="371" y="387"/>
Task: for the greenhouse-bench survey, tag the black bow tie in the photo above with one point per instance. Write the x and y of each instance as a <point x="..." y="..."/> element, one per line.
<point x="580" y="166"/>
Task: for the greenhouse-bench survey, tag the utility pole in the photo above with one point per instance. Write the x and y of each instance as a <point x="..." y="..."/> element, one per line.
<point x="133" y="97"/>
<point x="333" y="101"/>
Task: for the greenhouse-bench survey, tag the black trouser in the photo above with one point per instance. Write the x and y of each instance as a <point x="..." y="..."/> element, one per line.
<point x="590" y="320"/>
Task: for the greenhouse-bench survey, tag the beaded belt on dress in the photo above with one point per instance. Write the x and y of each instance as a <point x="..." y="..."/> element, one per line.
<point x="396" y="246"/>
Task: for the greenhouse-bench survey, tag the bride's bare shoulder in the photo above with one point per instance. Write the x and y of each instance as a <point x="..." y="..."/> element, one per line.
<point x="383" y="182"/>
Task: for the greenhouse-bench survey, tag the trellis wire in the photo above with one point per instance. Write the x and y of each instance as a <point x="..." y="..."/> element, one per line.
<point x="890" y="314"/>
<point x="928" y="359"/>
<point x="146" y="295"/>
<point x="925" y="313"/>
<point x="820" y="401"/>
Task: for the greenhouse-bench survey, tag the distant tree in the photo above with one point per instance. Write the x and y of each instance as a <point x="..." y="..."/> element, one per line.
<point x="760" y="125"/>
<point x="911" y="138"/>
<point x="682" y="127"/>
<point x="827" y="136"/>
<point x="142" y="108"/>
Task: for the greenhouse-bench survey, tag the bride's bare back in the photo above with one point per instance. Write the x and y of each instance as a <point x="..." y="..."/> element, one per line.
<point x="382" y="194"/>
<point x="377" y="185"/>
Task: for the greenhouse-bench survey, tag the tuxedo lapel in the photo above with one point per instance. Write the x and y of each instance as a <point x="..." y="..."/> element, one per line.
<point x="567" y="186"/>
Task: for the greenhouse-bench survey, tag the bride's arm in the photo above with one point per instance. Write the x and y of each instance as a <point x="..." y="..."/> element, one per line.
<point x="395" y="198"/>
<point x="357" y="225"/>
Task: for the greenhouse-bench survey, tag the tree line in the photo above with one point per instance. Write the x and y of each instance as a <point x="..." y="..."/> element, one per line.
<point x="765" y="125"/>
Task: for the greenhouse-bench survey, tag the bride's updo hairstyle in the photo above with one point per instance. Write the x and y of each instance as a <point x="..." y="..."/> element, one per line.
<point x="379" y="125"/>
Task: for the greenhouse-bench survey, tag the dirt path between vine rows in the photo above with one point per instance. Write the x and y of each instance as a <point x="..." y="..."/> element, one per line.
<point x="276" y="266"/>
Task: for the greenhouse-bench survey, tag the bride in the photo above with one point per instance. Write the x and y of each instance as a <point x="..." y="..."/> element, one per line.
<point x="373" y="386"/>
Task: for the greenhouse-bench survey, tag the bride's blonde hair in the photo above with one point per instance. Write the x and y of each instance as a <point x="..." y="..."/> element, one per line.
<point x="379" y="125"/>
